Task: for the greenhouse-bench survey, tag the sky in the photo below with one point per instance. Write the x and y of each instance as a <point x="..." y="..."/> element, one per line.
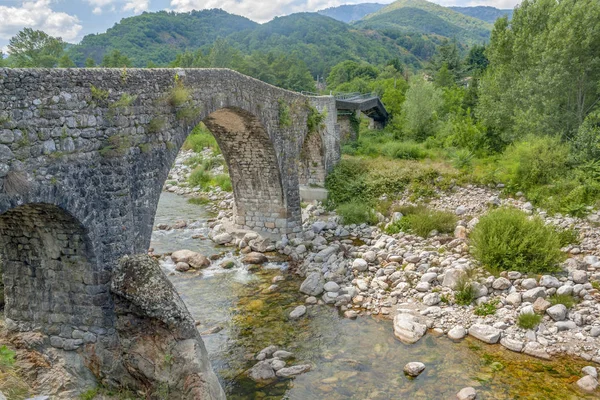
<point x="73" y="19"/>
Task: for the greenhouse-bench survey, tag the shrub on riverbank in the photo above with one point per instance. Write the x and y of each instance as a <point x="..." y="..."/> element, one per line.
<point x="422" y="221"/>
<point x="507" y="239"/>
<point x="356" y="213"/>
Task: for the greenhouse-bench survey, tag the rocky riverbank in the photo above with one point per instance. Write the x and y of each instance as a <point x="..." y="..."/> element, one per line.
<point x="413" y="280"/>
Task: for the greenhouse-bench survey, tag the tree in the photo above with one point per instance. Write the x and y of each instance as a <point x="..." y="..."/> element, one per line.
<point x="116" y="60"/>
<point x="544" y="70"/>
<point x="30" y="48"/>
<point x="449" y="55"/>
<point x="420" y="110"/>
<point x="2" y="62"/>
<point x="90" y="63"/>
<point x="476" y="61"/>
<point x="65" y="62"/>
<point x="443" y="78"/>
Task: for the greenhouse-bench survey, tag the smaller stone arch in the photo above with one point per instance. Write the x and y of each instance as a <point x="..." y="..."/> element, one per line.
<point x="253" y="168"/>
<point x="49" y="274"/>
<point x="312" y="170"/>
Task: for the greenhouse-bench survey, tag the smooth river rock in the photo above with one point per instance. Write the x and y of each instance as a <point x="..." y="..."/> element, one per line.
<point x="298" y="312"/>
<point x="255" y="258"/>
<point x="457" y="333"/>
<point x="588" y="383"/>
<point x="485" y="333"/>
<point x="293" y="371"/>
<point x="467" y="393"/>
<point x="312" y="285"/>
<point x="262" y="371"/>
<point x="407" y="329"/>
<point x="414" y="369"/>
<point x="193" y="259"/>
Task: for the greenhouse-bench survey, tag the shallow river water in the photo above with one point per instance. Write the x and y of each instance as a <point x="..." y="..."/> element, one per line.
<point x="351" y="359"/>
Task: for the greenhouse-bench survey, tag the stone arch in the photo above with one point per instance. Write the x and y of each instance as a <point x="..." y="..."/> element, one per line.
<point x="312" y="170"/>
<point x="49" y="276"/>
<point x="253" y="168"/>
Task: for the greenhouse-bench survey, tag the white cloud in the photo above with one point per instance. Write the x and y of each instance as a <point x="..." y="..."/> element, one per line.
<point x="37" y="14"/>
<point x="257" y="10"/>
<point x="136" y="6"/>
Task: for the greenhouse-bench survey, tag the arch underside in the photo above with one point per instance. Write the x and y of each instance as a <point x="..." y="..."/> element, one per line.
<point x="49" y="277"/>
<point x="253" y="169"/>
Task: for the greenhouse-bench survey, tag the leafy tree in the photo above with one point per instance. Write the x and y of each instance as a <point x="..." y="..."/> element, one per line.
<point x="90" y="63"/>
<point x="116" y="59"/>
<point x="443" y="78"/>
<point x="65" y="62"/>
<point x="2" y="62"/>
<point x="31" y="48"/>
<point x="544" y="70"/>
<point x="476" y="61"/>
<point x="421" y="109"/>
<point x="223" y="55"/>
<point x="447" y="56"/>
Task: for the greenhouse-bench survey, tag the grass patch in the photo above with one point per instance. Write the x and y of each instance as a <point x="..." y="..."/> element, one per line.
<point x="356" y="213"/>
<point x="124" y="101"/>
<point x="223" y="181"/>
<point x="464" y="294"/>
<point x="199" y="139"/>
<point x="155" y="125"/>
<point x="507" y="239"/>
<point x="366" y="180"/>
<point x="116" y="146"/>
<point x="179" y="95"/>
<point x="422" y="221"/>
<point x="528" y="320"/>
<point x="595" y="285"/>
<point x="199" y="201"/>
<point x="485" y="309"/>
<point x="89" y="394"/>
<point x="565" y="299"/>
<point x="285" y="120"/>
<point x="199" y="178"/>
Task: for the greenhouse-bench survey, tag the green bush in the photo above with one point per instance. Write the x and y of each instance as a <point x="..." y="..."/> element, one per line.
<point x="534" y="161"/>
<point x="199" y="178"/>
<point x="7" y="357"/>
<point x="404" y="151"/>
<point x="421" y="221"/>
<point x="507" y="239"/>
<point x="356" y="212"/>
<point x="528" y="320"/>
<point x="223" y="181"/>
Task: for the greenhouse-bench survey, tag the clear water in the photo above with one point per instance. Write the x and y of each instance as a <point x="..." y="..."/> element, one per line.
<point x="358" y="359"/>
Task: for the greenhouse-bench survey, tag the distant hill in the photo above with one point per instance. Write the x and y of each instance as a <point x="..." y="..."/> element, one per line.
<point x="321" y="42"/>
<point x="351" y="12"/>
<point x="484" y="13"/>
<point x="420" y="16"/>
<point x="160" y="36"/>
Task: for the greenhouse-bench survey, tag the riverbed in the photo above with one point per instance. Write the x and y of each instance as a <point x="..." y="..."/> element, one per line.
<point x="351" y="359"/>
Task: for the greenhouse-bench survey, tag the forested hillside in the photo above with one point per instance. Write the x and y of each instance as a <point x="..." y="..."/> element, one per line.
<point x="351" y="12"/>
<point x="419" y="16"/>
<point x="484" y="13"/>
<point x="321" y="42"/>
<point x="159" y="37"/>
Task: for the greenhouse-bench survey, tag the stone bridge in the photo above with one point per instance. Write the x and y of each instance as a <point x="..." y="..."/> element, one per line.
<point x="84" y="154"/>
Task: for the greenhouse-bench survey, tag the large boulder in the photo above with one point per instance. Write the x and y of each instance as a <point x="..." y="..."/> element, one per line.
<point x="193" y="259"/>
<point x="485" y="333"/>
<point x="407" y="329"/>
<point x="255" y="258"/>
<point x="313" y="284"/>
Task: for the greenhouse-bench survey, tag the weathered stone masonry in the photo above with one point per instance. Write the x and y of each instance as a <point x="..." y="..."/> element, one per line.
<point x="83" y="158"/>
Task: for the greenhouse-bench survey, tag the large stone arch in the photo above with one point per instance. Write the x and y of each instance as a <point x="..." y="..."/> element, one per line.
<point x="312" y="160"/>
<point x="50" y="277"/>
<point x="253" y="168"/>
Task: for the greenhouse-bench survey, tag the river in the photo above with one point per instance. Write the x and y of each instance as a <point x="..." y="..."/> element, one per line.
<point x="352" y="359"/>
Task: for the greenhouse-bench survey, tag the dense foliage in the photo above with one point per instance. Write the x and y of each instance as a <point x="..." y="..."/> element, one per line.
<point x="507" y="240"/>
<point x="351" y="12"/>
<point x="484" y="13"/>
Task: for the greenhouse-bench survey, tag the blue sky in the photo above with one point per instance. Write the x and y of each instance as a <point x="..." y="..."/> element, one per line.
<point x="72" y="19"/>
